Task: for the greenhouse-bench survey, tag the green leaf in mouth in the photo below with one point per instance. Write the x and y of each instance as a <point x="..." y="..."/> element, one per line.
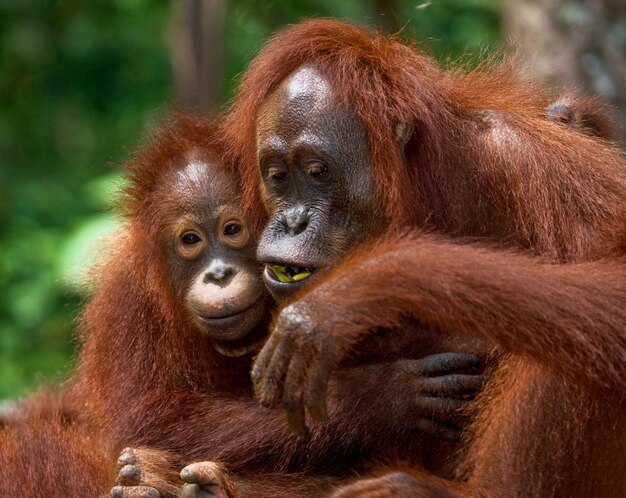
<point x="290" y="274"/>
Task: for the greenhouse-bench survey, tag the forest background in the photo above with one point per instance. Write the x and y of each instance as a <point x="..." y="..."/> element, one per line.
<point x="81" y="81"/>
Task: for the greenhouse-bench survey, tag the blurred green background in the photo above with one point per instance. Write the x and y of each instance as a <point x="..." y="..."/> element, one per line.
<point x="81" y="82"/>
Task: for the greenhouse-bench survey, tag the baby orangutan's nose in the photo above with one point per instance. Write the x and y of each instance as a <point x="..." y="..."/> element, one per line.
<point x="218" y="272"/>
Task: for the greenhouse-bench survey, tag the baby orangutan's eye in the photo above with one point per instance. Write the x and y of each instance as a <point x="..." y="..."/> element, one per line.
<point x="235" y="233"/>
<point x="190" y="243"/>
<point x="190" y="238"/>
<point x="232" y="229"/>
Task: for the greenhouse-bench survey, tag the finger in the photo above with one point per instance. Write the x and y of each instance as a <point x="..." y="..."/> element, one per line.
<point x="127" y="457"/>
<point x="442" y="406"/>
<point x="455" y="385"/>
<point x="129" y="475"/>
<point x="194" y="491"/>
<point x="265" y="355"/>
<point x="294" y="386"/>
<point x="316" y="387"/>
<point x="297" y="421"/>
<point x="202" y="473"/>
<point x="445" y="363"/>
<point x="134" y="492"/>
<point x="269" y="387"/>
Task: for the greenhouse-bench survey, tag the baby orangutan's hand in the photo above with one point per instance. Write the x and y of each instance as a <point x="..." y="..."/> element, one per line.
<point x="144" y="473"/>
<point x="207" y="480"/>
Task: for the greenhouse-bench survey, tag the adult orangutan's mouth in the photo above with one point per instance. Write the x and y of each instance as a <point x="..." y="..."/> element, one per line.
<point x="288" y="274"/>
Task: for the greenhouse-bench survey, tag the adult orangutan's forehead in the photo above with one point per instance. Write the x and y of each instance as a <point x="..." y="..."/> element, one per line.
<point x="306" y="82"/>
<point x="301" y="101"/>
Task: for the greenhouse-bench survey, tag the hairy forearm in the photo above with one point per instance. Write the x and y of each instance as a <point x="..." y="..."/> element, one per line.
<point x="573" y="312"/>
<point x="245" y="436"/>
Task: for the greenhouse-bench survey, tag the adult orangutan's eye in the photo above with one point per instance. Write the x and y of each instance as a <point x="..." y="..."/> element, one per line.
<point x="276" y="173"/>
<point x="190" y="238"/>
<point x="316" y="168"/>
<point x="232" y="229"/>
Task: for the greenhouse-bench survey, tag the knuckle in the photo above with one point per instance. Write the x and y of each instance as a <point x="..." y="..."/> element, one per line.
<point x="293" y="318"/>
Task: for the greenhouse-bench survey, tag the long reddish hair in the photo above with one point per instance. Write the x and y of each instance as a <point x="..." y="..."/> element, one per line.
<point x="482" y="152"/>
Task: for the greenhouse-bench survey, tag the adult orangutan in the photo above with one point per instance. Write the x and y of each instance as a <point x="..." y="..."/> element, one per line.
<point x="168" y="334"/>
<point x="517" y="236"/>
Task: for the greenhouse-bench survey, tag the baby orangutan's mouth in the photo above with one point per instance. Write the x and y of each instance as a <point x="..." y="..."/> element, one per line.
<point x="289" y="274"/>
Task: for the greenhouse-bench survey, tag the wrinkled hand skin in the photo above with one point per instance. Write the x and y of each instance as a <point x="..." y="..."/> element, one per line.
<point x="397" y="485"/>
<point x="206" y="480"/>
<point x="434" y="394"/>
<point x="142" y="473"/>
<point x="293" y="369"/>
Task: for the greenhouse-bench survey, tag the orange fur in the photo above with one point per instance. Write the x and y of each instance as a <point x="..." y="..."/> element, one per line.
<point x="545" y="278"/>
<point x="146" y="377"/>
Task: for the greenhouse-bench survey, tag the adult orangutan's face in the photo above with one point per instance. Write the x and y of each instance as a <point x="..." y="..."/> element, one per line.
<point x="317" y="181"/>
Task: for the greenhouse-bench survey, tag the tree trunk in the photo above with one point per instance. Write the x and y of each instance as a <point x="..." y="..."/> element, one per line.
<point x="197" y="53"/>
<point x="573" y="43"/>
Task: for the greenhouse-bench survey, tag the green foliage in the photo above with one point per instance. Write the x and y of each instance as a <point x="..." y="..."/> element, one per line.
<point x="80" y="81"/>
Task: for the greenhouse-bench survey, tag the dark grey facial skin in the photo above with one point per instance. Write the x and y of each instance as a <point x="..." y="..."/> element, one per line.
<point x="212" y="262"/>
<point x="316" y="179"/>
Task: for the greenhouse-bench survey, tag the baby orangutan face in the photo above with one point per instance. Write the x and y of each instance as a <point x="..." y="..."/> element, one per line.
<point x="212" y="262"/>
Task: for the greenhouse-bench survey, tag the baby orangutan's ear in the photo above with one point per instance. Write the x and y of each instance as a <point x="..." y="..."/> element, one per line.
<point x="403" y="133"/>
